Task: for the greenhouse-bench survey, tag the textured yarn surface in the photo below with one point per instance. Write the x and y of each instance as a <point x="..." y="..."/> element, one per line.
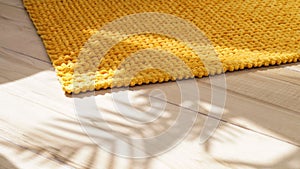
<point x="243" y="33"/>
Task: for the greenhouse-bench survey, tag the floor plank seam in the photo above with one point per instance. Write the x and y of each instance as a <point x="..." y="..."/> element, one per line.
<point x="276" y="79"/>
<point x="255" y="99"/>
<point x="32" y="57"/>
<point x="228" y="122"/>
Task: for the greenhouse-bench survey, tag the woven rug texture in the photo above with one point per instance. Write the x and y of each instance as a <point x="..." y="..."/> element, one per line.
<point x="99" y="44"/>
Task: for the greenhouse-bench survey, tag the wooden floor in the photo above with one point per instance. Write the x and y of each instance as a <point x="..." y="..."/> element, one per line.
<point x="39" y="126"/>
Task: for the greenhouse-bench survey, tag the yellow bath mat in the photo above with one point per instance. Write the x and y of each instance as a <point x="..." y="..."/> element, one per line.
<point x="98" y="44"/>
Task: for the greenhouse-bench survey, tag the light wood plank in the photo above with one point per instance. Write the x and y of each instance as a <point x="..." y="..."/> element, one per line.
<point x="252" y="101"/>
<point x="59" y="136"/>
<point x="287" y="73"/>
<point x="15" y="3"/>
<point x="18" y="33"/>
<point x="11" y="158"/>
<point x="262" y="85"/>
<point x="14" y="66"/>
<point x="232" y="140"/>
<point x="15" y="15"/>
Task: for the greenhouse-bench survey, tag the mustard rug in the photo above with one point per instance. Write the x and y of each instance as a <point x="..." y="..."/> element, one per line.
<point x="236" y="34"/>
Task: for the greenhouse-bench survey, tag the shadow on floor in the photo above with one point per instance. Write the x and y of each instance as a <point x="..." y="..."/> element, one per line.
<point x="6" y="164"/>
